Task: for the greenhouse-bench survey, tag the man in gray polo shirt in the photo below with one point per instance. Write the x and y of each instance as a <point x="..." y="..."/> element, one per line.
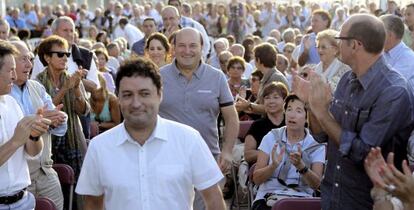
<point x="194" y="93"/>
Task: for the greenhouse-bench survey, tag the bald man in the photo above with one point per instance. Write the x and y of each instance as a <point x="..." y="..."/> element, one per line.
<point x="371" y="107"/>
<point x="194" y="93"/>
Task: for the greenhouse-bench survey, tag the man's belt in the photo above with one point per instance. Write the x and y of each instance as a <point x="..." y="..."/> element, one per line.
<point x="12" y="198"/>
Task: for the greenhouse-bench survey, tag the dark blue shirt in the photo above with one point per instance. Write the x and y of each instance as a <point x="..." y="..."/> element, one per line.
<point x="373" y="110"/>
<point x="139" y="46"/>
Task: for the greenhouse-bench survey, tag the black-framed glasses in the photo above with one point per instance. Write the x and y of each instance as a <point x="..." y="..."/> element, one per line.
<point x="345" y="37"/>
<point x="60" y="54"/>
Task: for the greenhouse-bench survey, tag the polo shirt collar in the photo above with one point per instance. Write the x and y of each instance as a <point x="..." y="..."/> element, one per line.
<point x="157" y="134"/>
<point x="198" y="73"/>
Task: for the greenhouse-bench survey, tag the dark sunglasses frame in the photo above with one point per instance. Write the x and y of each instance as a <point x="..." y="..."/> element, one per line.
<point x="60" y="54"/>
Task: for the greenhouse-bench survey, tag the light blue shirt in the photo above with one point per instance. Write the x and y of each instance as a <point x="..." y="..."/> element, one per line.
<point x="22" y="96"/>
<point x="401" y="59"/>
<point x="30" y="19"/>
<point x="313" y="51"/>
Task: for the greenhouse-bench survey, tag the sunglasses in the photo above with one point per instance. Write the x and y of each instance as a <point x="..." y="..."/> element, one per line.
<point x="60" y="54"/>
<point x="303" y="74"/>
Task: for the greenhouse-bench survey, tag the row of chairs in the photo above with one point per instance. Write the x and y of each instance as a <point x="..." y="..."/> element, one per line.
<point x="67" y="180"/>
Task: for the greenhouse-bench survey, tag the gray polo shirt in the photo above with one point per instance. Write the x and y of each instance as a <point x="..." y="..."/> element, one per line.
<point x="273" y="75"/>
<point x="196" y="102"/>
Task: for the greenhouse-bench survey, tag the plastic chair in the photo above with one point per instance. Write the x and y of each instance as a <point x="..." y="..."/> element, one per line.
<point x="66" y="178"/>
<point x="244" y="126"/>
<point x="297" y="203"/>
<point x="44" y="204"/>
<point x="251" y="186"/>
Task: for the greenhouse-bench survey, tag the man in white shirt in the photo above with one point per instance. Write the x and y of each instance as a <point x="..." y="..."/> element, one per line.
<point x="132" y="33"/>
<point x="15" y="132"/>
<point x="147" y="162"/>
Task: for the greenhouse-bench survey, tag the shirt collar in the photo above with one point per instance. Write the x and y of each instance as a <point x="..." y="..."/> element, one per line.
<point x="392" y="53"/>
<point x="197" y="73"/>
<point x="157" y="134"/>
<point x="372" y="72"/>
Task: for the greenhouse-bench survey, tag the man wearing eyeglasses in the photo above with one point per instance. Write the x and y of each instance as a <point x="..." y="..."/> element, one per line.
<point x="372" y="106"/>
<point x="31" y="95"/>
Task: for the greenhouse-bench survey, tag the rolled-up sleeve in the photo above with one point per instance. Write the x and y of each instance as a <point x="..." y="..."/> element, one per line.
<point x="387" y="115"/>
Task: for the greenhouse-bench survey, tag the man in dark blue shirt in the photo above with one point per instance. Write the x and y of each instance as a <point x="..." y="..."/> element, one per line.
<point x="372" y="106"/>
<point x="148" y="27"/>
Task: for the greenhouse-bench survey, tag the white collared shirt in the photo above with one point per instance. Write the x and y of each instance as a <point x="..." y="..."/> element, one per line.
<point x="333" y="73"/>
<point x="161" y="174"/>
<point x="14" y="173"/>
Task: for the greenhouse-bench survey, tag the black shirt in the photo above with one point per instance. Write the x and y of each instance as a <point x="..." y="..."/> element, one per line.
<point x="261" y="127"/>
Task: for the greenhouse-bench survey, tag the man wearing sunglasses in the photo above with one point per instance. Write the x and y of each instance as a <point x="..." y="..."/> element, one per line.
<point x="371" y="107"/>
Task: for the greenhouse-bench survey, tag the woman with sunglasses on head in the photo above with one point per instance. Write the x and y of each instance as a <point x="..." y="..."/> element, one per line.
<point x="330" y="67"/>
<point x="157" y="48"/>
<point x="289" y="162"/>
<point x="67" y="90"/>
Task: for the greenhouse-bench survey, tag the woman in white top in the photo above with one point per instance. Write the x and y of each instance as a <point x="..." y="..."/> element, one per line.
<point x="289" y="162"/>
<point x="330" y="67"/>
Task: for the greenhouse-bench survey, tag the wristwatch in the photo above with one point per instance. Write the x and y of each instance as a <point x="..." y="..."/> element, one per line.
<point x="34" y="138"/>
<point x="303" y="170"/>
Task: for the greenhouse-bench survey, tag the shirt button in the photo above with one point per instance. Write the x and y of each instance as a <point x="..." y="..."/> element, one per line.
<point x="338" y="167"/>
<point x="336" y="185"/>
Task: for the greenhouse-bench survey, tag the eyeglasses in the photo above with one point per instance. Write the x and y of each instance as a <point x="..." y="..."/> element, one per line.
<point x="324" y="47"/>
<point x="288" y="51"/>
<point x="60" y="54"/>
<point x="345" y="37"/>
<point x="26" y="58"/>
<point x="303" y="74"/>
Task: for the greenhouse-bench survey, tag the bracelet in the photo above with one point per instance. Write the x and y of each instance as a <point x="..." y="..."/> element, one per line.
<point x="303" y="170"/>
<point x="34" y="138"/>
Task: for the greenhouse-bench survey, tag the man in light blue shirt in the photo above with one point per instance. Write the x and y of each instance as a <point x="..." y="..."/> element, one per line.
<point x="31" y="95"/>
<point x="29" y="16"/>
<point x="398" y="55"/>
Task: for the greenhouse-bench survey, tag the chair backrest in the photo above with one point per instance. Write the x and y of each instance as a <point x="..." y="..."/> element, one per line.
<point x="44" y="204"/>
<point x="65" y="173"/>
<point x="244" y="126"/>
<point x="297" y="203"/>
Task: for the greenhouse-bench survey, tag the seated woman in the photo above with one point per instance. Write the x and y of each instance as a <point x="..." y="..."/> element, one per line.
<point x="289" y="162"/>
<point x="67" y="90"/>
<point x="108" y="74"/>
<point x="273" y="99"/>
<point x="235" y="70"/>
<point x="330" y="67"/>
<point x="251" y="96"/>
<point x="157" y="49"/>
<point x="105" y="113"/>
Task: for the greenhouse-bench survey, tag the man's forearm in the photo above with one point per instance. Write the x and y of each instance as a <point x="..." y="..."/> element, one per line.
<point x="330" y="126"/>
<point x="7" y="150"/>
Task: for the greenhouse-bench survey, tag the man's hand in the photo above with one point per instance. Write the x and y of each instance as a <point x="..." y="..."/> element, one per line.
<point x="56" y="116"/>
<point x="320" y="94"/>
<point x="225" y="160"/>
<point x="300" y="87"/>
<point x="40" y="124"/>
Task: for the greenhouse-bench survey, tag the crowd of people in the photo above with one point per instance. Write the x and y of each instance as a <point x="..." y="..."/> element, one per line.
<point x="144" y="103"/>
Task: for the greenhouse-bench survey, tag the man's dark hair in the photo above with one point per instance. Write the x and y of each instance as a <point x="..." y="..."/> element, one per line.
<point x="141" y="67"/>
<point x="266" y="54"/>
<point x="364" y="29"/>
<point x="393" y="24"/>
<point x="123" y="21"/>
<point x="179" y="2"/>
<point x="6" y="49"/>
